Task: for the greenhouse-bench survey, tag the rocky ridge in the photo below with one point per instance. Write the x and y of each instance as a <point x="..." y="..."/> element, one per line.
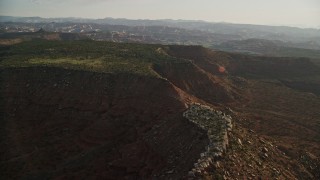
<point x="218" y="125"/>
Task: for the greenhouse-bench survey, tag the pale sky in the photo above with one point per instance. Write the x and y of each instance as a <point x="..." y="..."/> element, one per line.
<point x="302" y="13"/>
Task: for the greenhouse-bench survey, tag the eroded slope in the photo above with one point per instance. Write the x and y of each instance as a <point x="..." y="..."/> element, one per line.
<point x="107" y="110"/>
<point x="66" y="123"/>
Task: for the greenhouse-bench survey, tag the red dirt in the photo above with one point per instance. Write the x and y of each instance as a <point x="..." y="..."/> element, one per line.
<point x="68" y="124"/>
<point x="264" y="104"/>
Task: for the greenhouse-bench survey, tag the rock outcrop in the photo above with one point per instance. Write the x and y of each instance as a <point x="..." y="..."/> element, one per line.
<point x="217" y="124"/>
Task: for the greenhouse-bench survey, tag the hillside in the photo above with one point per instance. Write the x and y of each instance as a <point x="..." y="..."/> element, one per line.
<point x="18" y="37"/>
<point x="91" y="109"/>
<point x="271" y="48"/>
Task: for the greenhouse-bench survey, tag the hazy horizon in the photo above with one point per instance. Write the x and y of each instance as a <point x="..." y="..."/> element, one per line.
<point x="296" y="13"/>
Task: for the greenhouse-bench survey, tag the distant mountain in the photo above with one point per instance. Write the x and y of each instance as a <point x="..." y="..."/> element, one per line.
<point x="244" y="38"/>
<point x="124" y="33"/>
<point x="39" y="19"/>
<point x="246" y="31"/>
